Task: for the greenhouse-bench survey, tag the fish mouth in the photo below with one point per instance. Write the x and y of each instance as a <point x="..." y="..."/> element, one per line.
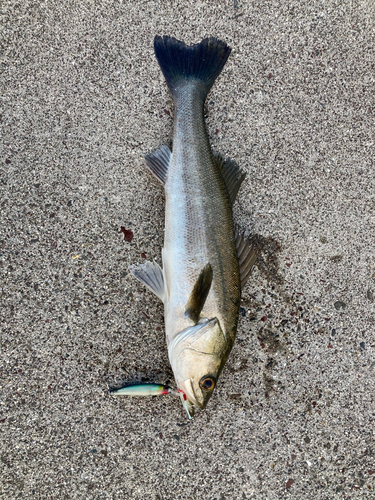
<point x="188" y="397"/>
<point x="189" y="407"/>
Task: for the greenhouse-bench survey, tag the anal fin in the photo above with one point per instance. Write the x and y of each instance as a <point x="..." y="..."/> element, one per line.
<point x="151" y="275"/>
<point x="199" y="294"/>
<point x="232" y="175"/>
<point x="158" y="162"/>
<point x="247" y="253"/>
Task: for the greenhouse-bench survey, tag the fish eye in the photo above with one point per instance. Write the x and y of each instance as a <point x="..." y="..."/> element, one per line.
<point x="207" y="383"/>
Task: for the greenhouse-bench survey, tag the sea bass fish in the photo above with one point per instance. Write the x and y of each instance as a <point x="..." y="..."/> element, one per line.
<point x="206" y="260"/>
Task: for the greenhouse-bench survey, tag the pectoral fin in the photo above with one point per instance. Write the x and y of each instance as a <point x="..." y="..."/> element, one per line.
<point x="247" y="253"/>
<point x="199" y="294"/>
<point x="151" y="275"/>
<point x="158" y="162"/>
<point x="232" y="174"/>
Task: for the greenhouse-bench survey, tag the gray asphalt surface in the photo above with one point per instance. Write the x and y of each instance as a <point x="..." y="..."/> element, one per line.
<point x="83" y="100"/>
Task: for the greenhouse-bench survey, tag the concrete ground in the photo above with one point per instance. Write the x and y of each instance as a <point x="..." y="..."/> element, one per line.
<point x="83" y="100"/>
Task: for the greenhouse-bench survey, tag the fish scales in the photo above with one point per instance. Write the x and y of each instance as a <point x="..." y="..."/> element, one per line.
<point x="198" y="221"/>
<point x="200" y="283"/>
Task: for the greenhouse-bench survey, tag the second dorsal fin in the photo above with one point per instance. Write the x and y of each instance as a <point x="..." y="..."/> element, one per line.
<point x="199" y="294"/>
<point x="158" y="162"/>
<point x="151" y="275"/>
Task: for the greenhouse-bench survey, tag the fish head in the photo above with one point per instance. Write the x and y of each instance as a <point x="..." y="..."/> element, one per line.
<point x="197" y="356"/>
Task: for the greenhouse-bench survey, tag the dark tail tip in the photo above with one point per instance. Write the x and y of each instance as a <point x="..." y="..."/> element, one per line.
<point x="180" y="62"/>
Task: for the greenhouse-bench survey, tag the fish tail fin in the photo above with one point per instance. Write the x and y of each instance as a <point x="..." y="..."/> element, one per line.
<point x="182" y="63"/>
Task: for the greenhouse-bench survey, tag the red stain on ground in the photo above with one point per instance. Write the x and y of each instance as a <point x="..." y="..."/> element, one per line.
<point x="128" y="234"/>
<point x="289" y="483"/>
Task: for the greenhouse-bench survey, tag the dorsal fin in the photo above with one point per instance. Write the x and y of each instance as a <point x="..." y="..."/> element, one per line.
<point x="158" y="162"/>
<point x="151" y="275"/>
<point x="232" y="174"/>
<point x="199" y="294"/>
<point x="247" y="253"/>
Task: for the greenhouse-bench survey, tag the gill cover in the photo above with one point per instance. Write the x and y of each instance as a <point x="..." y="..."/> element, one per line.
<point x="197" y="354"/>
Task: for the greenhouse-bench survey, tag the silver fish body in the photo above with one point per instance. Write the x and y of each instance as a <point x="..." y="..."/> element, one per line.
<point x="198" y="223"/>
<point x="200" y="283"/>
<point x="198" y="230"/>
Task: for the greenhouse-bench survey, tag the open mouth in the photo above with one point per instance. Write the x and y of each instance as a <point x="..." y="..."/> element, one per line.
<point x="189" y="407"/>
<point x="187" y="396"/>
